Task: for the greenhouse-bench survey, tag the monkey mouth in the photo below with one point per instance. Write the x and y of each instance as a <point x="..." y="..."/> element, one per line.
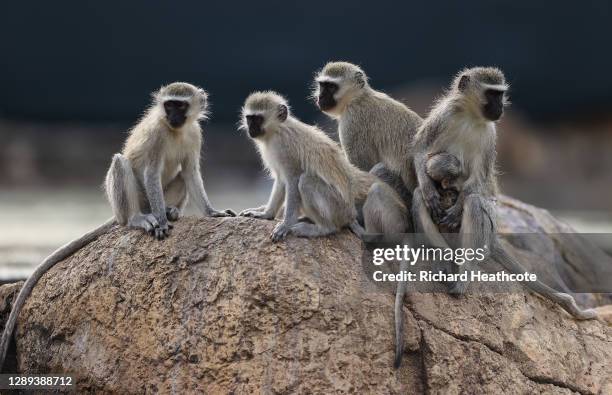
<point x="325" y="103"/>
<point x="254" y="133"/>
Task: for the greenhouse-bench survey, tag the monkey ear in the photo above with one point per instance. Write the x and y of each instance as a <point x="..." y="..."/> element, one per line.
<point x="463" y="82"/>
<point x="360" y="79"/>
<point x="283" y="112"/>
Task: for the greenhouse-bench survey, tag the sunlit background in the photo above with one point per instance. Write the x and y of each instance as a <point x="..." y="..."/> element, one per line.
<point x="74" y="76"/>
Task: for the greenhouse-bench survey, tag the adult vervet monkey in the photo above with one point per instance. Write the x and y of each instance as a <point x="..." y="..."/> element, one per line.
<point x="462" y="124"/>
<point x="312" y="176"/>
<point x="374" y="129"/>
<point x="148" y="184"/>
<point x="455" y="146"/>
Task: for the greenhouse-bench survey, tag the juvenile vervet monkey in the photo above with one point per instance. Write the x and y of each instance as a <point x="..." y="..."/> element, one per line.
<point x="148" y="184"/>
<point x="462" y="124"/>
<point x="445" y="169"/>
<point x="312" y="176"/>
<point x="374" y="129"/>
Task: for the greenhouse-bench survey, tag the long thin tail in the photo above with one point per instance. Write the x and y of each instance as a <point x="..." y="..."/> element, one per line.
<point x="566" y="301"/>
<point x="357" y="229"/>
<point x="60" y="254"/>
<point x="399" y="317"/>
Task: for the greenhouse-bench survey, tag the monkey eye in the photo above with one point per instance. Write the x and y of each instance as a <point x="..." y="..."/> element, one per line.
<point x="494" y="93"/>
<point x="328" y="86"/>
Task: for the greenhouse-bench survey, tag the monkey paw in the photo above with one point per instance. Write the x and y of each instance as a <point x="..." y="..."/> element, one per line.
<point x="458" y="288"/>
<point x="225" y="213"/>
<point x="280" y="232"/>
<point x="432" y="201"/>
<point x="255" y="213"/>
<point x="162" y="231"/>
<point x="452" y="219"/>
<point x="172" y="213"/>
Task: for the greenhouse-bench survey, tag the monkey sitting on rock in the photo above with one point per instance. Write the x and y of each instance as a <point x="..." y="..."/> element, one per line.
<point x="312" y="176"/>
<point x="148" y="184"/>
<point x="376" y="131"/>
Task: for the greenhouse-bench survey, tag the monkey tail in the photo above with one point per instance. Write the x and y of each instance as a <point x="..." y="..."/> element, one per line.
<point x="399" y="317"/>
<point x="566" y="301"/>
<point x="57" y="256"/>
<point x="357" y="229"/>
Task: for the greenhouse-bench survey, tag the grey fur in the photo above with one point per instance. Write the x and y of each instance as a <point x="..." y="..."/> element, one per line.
<point x="456" y="126"/>
<point x="146" y="185"/>
<point x="374" y="129"/>
<point x="314" y="178"/>
<point x="149" y="182"/>
<point x="376" y="133"/>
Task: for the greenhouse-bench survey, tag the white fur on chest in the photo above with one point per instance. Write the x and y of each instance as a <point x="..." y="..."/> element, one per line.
<point x="177" y="150"/>
<point x="468" y="142"/>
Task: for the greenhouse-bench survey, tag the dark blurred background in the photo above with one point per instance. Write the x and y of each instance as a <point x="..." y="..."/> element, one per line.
<point x="74" y="76"/>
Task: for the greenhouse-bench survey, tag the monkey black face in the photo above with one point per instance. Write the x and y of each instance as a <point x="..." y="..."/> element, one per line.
<point x="327" y="90"/>
<point x="494" y="106"/>
<point x="255" y="123"/>
<point x="176" y="112"/>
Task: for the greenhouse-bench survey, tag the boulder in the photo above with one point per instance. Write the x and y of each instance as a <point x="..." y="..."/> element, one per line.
<point x="218" y="308"/>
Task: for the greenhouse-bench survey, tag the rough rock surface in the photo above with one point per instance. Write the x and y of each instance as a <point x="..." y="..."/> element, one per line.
<point x="218" y="308"/>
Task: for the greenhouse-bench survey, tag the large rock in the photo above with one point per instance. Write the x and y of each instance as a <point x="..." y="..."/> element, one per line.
<point x="218" y="308"/>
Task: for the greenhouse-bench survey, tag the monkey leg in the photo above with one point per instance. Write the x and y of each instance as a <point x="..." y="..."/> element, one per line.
<point x="175" y="195"/>
<point x="383" y="212"/>
<point x="477" y="231"/>
<point x="125" y="196"/>
<point x="423" y="223"/>
<point x="394" y="180"/>
<point x="324" y="206"/>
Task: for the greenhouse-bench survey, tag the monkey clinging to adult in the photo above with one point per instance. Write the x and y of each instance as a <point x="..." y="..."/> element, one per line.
<point x="462" y="124"/>
<point x="148" y="184"/>
<point x="456" y="146"/>
<point x="376" y="131"/>
<point x="313" y="177"/>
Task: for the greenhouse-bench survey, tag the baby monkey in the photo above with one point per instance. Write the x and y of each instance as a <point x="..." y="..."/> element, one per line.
<point x="444" y="169"/>
<point x="313" y="177"/>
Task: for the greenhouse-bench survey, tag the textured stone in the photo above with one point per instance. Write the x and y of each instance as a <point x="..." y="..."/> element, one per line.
<point x="218" y="308"/>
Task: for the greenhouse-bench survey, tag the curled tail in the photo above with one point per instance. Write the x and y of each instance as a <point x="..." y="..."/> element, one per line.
<point x="566" y="301"/>
<point x="57" y="256"/>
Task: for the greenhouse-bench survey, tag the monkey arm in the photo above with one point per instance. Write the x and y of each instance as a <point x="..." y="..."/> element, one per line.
<point x="155" y="196"/>
<point x="431" y="196"/>
<point x="452" y="218"/>
<point x="292" y="208"/>
<point x="195" y="189"/>
<point x="271" y="208"/>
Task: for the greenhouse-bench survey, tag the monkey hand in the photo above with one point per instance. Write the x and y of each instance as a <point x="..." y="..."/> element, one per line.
<point x="452" y="218"/>
<point x="256" y="213"/>
<point x="458" y="288"/>
<point x="225" y="213"/>
<point x="431" y="197"/>
<point x="162" y="230"/>
<point x="280" y="231"/>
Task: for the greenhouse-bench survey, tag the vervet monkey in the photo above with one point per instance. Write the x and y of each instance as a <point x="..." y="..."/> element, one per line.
<point x="462" y="124"/>
<point x="374" y="129"/>
<point x="148" y="184"/>
<point x="461" y="127"/>
<point x="312" y="176"/>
